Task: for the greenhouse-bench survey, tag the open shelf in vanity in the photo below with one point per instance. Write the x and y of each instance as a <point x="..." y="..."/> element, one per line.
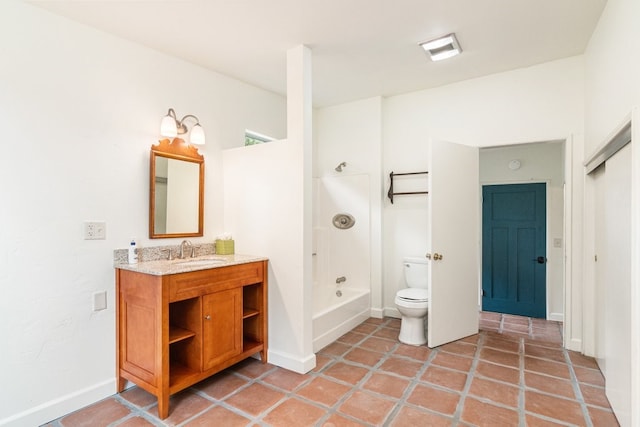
<point x="177" y="329"/>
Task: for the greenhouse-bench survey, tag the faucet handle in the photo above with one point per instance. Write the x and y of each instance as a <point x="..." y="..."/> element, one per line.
<point x="170" y="257"/>
<point x="193" y="251"/>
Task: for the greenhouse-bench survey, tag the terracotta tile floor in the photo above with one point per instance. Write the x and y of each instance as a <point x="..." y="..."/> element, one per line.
<point x="513" y="373"/>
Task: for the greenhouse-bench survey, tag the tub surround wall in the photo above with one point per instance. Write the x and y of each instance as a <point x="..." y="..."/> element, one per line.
<point x="352" y="133"/>
<point x="340" y="253"/>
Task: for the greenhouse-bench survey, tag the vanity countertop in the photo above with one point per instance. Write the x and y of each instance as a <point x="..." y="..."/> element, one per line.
<point x="186" y="265"/>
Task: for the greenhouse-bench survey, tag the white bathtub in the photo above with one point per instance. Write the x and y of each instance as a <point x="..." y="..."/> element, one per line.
<point x="334" y="316"/>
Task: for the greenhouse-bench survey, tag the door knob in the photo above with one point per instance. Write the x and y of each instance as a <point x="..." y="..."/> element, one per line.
<point x="437" y="256"/>
<point x="428" y="256"/>
<point x="207" y="317"/>
<point x="541" y="260"/>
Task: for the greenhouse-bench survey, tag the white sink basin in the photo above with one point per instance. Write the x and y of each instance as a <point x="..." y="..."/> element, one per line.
<point x="200" y="261"/>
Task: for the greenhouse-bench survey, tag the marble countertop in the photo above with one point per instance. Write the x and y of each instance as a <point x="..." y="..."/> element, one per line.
<point x="186" y="265"/>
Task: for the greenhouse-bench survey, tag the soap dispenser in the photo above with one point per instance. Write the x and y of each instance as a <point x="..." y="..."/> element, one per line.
<point x="133" y="252"/>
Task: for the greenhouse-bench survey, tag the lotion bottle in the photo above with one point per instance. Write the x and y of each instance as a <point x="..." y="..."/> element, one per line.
<point x="133" y="252"/>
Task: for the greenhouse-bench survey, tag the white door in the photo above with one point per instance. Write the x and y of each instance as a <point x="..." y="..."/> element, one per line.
<point x="453" y="246"/>
<point x="616" y="252"/>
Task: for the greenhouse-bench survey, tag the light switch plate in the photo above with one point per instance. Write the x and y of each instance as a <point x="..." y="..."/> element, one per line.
<point x="95" y="230"/>
<point x="99" y="301"/>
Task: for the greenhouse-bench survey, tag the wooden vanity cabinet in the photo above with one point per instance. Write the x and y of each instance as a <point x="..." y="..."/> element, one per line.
<point x="176" y="330"/>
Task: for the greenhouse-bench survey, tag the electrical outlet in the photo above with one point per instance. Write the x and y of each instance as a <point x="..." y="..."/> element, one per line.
<point x="99" y="300"/>
<point x="557" y="242"/>
<point x="95" y="230"/>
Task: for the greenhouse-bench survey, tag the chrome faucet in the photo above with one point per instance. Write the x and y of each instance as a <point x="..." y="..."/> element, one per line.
<point x="186" y="243"/>
<point x="340" y="280"/>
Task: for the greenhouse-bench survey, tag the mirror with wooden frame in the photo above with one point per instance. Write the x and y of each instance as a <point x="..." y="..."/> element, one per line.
<point x="176" y="202"/>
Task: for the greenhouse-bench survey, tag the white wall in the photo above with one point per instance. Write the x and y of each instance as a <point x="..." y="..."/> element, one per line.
<point x="80" y="111"/>
<point x="543" y="162"/>
<point x="352" y="133"/>
<point x="268" y="201"/>
<point x="540" y="103"/>
<point x="612" y="67"/>
<point x="262" y="211"/>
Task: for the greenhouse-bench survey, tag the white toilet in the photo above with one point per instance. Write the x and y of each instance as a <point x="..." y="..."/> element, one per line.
<point x="413" y="301"/>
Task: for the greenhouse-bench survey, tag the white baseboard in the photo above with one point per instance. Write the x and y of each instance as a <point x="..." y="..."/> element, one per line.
<point x="558" y="317"/>
<point x="392" y="312"/>
<point x="574" y="344"/>
<point x="377" y="313"/>
<point x="62" y="405"/>
<point x="291" y="362"/>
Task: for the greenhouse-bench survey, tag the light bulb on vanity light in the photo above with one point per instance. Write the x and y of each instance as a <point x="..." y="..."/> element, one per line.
<point x="197" y="135"/>
<point x="172" y="127"/>
<point x="168" y="126"/>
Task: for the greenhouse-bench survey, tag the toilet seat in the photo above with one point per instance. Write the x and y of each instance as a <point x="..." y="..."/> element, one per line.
<point x="413" y="295"/>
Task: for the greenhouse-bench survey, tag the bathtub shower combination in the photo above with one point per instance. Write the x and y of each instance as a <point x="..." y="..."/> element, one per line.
<point x="341" y="260"/>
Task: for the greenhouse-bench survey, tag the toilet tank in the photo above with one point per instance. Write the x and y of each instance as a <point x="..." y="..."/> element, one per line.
<point x="415" y="272"/>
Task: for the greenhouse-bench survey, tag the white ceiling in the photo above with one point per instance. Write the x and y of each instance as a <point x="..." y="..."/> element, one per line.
<point x="361" y="48"/>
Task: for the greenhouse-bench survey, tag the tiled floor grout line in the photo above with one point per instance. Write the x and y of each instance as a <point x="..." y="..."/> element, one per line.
<point x="358" y="386"/>
<point x="333" y="409"/>
<point x="288" y="395"/>
<point x="250" y="381"/>
<point x="576" y="388"/>
<point x="375" y="368"/>
<point x="389" y="363"/>
<point x="222" y="402"/>
<point x="136" y="411"/>
<point x="521" y="384"/>
<point x="217" y="402"/>
<point x="413" y="383"/>
<point x="457" y="416"/>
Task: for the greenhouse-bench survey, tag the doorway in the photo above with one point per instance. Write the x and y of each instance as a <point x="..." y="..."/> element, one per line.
<point x="514" y="249"/>
<point x="541" y="162"/>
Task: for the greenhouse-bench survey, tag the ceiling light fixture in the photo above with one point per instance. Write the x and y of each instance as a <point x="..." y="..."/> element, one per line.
<point x="514" y="164"/>
<point x="442" y="48"/>
<point x="172" y="127"/>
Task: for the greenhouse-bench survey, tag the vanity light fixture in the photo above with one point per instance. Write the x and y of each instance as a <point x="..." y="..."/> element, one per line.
<point x="442" y="48"/>
<point x="172" y="127"/>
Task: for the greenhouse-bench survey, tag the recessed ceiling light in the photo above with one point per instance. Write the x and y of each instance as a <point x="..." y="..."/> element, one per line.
<point x="442" y="48"/>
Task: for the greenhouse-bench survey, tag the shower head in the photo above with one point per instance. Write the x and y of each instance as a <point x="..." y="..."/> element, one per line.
<point x="340" y="166"/>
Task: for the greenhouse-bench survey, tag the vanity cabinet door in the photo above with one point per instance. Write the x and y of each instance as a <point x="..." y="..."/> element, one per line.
<point x="222" y="326"/>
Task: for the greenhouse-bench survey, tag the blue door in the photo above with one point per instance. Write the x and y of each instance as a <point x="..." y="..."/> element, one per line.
<point x="514" y="249"/>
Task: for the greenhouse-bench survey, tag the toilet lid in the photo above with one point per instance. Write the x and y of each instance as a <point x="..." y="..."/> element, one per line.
<point x="414" y="294"/>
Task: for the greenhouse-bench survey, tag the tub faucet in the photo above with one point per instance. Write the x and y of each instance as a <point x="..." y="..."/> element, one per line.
<point x="340" y="279"/>
<point x="186" y="243"/>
